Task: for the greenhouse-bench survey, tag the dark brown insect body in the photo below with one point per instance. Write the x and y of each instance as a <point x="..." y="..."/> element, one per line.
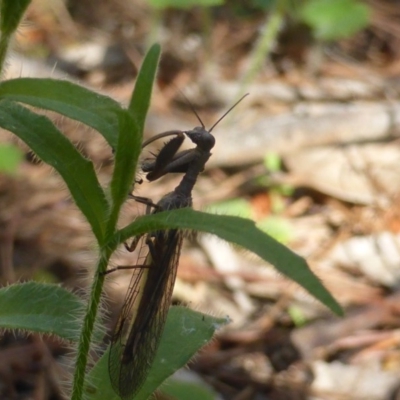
<point x="143" y="316"/>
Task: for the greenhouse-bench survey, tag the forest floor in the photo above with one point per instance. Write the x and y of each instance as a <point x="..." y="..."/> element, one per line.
<point x="311" y="155"/>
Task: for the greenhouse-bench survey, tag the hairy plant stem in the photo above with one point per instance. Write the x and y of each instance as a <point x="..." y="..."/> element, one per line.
<point x="88" y="326"/>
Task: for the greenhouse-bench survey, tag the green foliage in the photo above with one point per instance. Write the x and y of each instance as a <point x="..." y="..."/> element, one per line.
<point x="263" y="4"/>
<point x="328" y="19"/>
<point x="10" y="158"/>
<point x="277" y="192"/>
<point x="75" y="102"/>
<point x="268" y="35"/>
<point x="119" y="126"/>
<point x="297" y="315"/>
<point x="335" y="19"/>
<point x="48" y="143"/>
<point x="39" y="307"/>
<point x="277" y="227"/>
<point x="11" y="12"/>
<point x="50" y="309"/>
<point x="182" y="390"/>
<point x="273" y="162"/>
<point x="186" y="331"/>
<point x="236" y="207"/>
<point x="231" y="229"/>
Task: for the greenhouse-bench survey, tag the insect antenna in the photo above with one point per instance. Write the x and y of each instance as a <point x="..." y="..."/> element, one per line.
<point x="227" y="112"/>
<point x="193" y="109"/>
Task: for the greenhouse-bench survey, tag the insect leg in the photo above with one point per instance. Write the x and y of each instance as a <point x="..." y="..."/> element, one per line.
<point x="146" y="201"/>
<point x="121" y="267"/>
<point x="179" y="163"/>
<point x="164" y="157"/>
<point x="149" y="205"/>
<point x="159" y="136"/>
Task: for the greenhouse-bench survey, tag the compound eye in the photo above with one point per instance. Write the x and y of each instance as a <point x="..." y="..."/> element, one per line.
<point x="210" y="140"/>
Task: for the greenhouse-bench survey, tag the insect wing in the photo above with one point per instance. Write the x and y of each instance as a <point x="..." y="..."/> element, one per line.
<point x="127" y="315"/>
<point x="135" y="342"/>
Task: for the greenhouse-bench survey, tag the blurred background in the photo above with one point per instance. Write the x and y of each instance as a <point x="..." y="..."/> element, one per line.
<point x="311" y="155"/>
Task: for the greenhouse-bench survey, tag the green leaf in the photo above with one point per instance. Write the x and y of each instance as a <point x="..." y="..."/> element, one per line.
<point x="335" y="19"/>
<point x="237" y="207"/>
<point x="273" y="162"/>
<point x="41" y="308"/>
<point x="140" y="100"/>
<point x="11" y="12"/>
<point x="185" y="3"/>
<point x="242" y="232"/>
<point x="297" y="315"/>
<point x="186" y="331"/>
<point x="126" y="156"/>
<point x="10" y="158"/>
<point x="49" y="144"/>
<point x="263" y="4"/>
<point x="179" y="390"/>
<point x="277" y="227"/>
<point x="93" y="109"/>
<point x="131" y="133"/>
